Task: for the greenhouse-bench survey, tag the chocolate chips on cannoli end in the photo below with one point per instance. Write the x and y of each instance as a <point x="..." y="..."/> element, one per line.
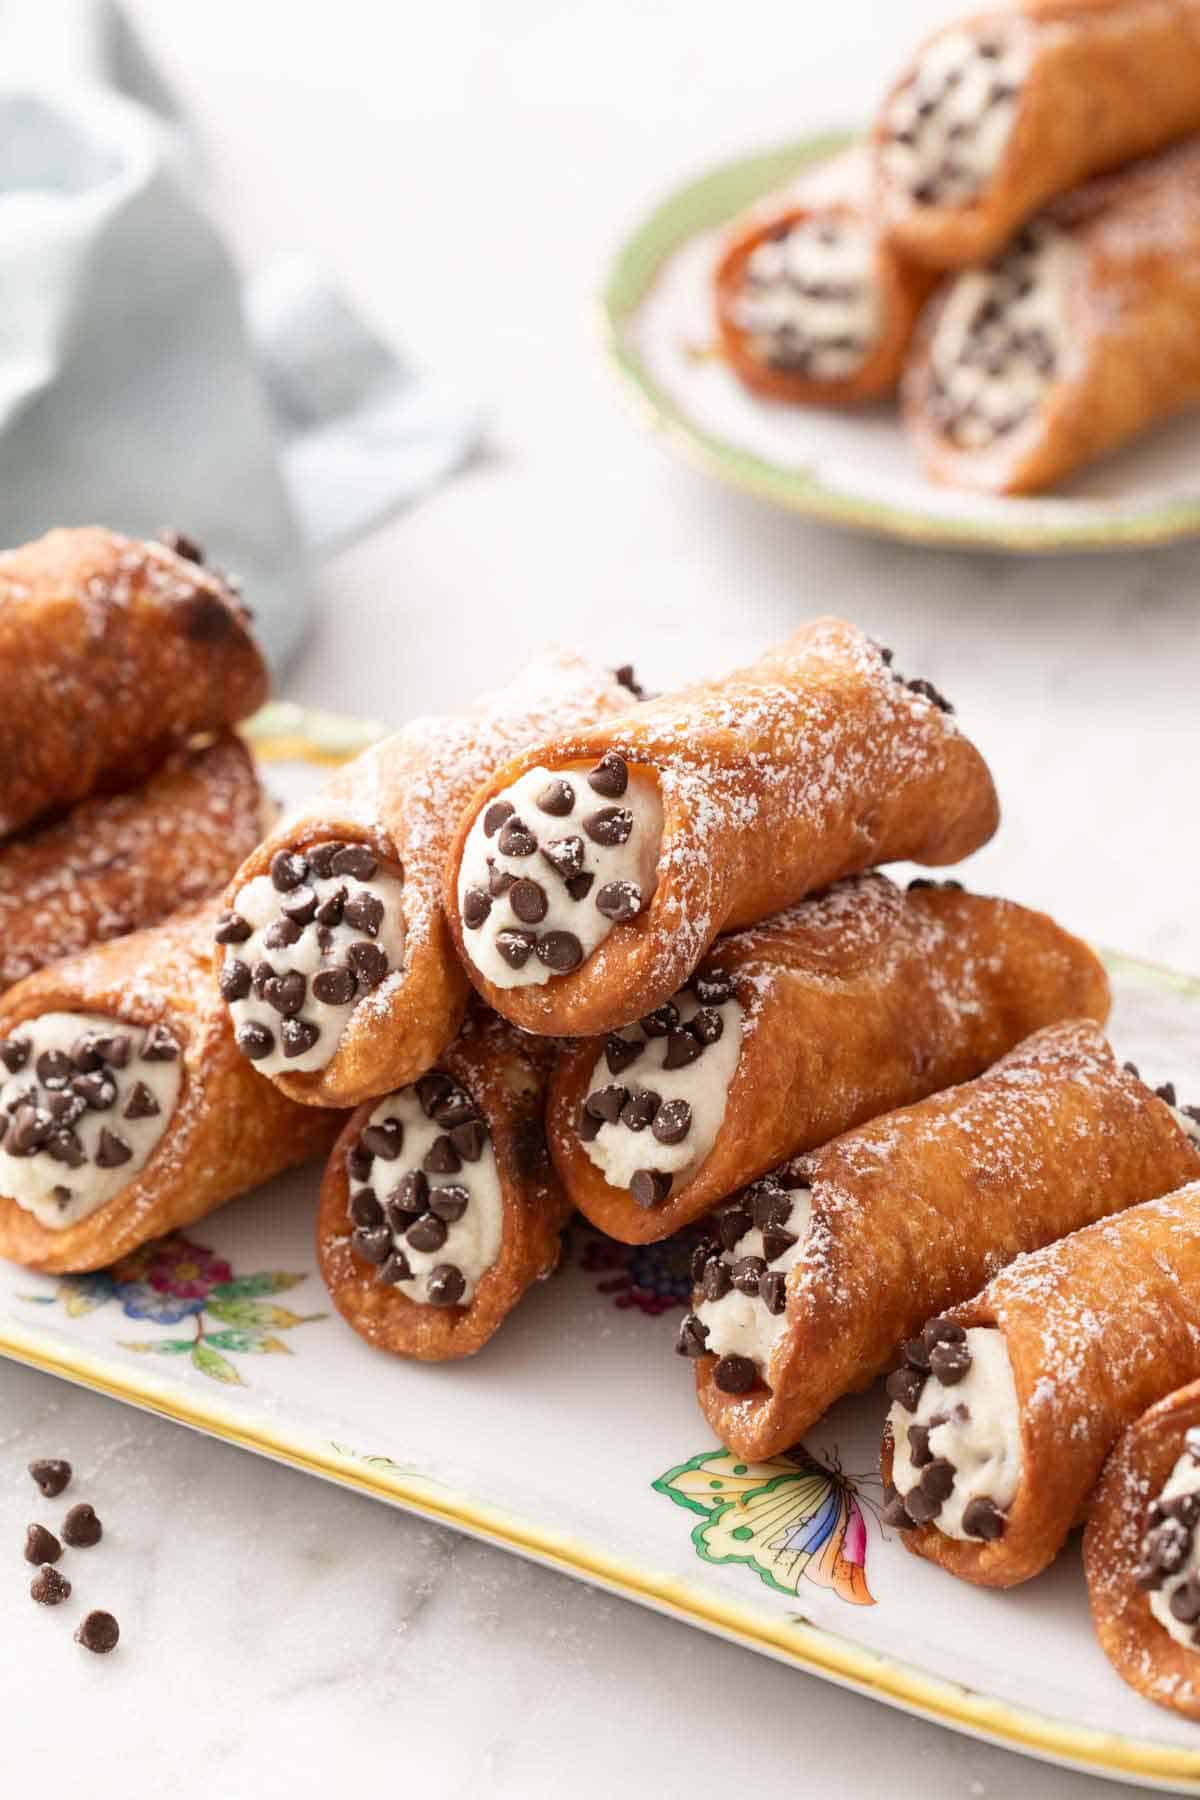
<point x="610" y="826"/>
<point x="254" y="1041"/>
<point x="52" y="1474"/>
<point x="557" y="798"/>
<point x="14" y="1054"/>
<point x="610" y="777"/>
<point x="924" y="1502"/>
<point x="672" y="1121"/>
<point x="619" y="901"/>
<point x="982" y="1518"/>
<point x="528" y="901"/>
<point x="735" y="1374"/>
<point x="895" y="1513"/>
<point x="650" y="1187"/>
<point x="692" y="1338"/>
<point x="683" y="1047"/>
<point x="365" y="1209"/>
<point x="772" y="1291"/>
<point x="560" y="951"/>
<point x="372" y="1244"/>
<point x="717" y="1279"/>
<point x="621" y="1052"/>
<point x="445" y="1285"/>
<point x="905" y="1385"/>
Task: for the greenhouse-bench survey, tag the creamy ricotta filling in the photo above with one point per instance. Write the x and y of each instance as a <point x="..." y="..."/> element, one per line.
<point x="948" y="128"/>
<point x="1170" y="1567"/>
<point x="83" y="1106"/>
<point x="741" y="1297"/>
<point x="809" y="301"/>
<point x="552" y="864"/>
<point x="957" y="1431"/>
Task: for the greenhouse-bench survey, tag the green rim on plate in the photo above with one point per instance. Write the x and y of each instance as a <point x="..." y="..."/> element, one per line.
<point x="712" y="201"/>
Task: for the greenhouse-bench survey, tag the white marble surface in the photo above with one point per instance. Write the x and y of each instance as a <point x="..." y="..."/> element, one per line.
<point x="465" y="169"/>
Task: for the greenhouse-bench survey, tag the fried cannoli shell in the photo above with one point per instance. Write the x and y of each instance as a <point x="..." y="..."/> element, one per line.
<point x="112" y="651"/>
<point x="1141" y="1651"/>
<point x="505" y="1072"/>
<point x="1098" y="1328"/>
<point x="839" y="189"/>
<point x="914" y="1212"/>
<point x="776" y="780"/>
<point x="230" y="1130"/>
<point x="1108" y="81"/>
<point x="857" y="1002"/>
<point x="120" y="862"/>
<point x="403" y="798"/>
<point x="1134" y="356"/>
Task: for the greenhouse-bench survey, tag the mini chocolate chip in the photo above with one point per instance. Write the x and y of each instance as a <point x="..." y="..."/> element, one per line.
<point x="640" y="1108"/>
<point x="606" y="1103"/>
<point x="14" y="1054"/>
<point x="516" y="839"/>
<point x="331" y="909"/>
<point x="619" y="901"/>
<point x="469" y="1139"/>
<point x="232" y="929"/>
<point x="300" y="906"/>
<point x="620" y="1052"/>
<point x="320" y="857"/>
<point x="160" y="1045"/>
<point x="411" y="1193"/>
<point x="113" y="1047"/>
<point x="579" y="886"/>
<point x="445" y="1285"/>
<point x="772" y="1291"/>
<point x="1169" y="1544"/>
<point x="98" y="1632"/>
<point x="368" y="963"/>
<point x="365" y="1209"/>
<point x="112" y="1151"/>
<point x="565" y="856"/>
<point x="364" y="911"/>
<point x="650" y="1187"/>
<point x="982" y="1518"/>
<point x="712" y="988"/>
<point x="707" y="1025"/>
<point x="942" y="1331"/>
<point x="66" y="1108"/>
<point x="904" y="1386"/>
<point x="701" y="1252"/>
<point x="1165" y="1092"/>
<point x="358" y="1163"/>
<point x="449" y="1203"/>
<point x="895" y="1513"/>
<point x="661" y="1021"/>
<point x="454" y="1107"/>
<point x="385" y="1140"/>
<point x="918" y="1445"/>
<point x="717" y="1280"/>
<point x="442" y="1158"/>
<point x="499" y="880"/>
<point x="516" y="947"/>
<point x="427" y="1233"/>
<point x="495" y="816"/>
<point x="735" y="1374"/>
<point x="682" y="1048"/>
<point x="927" y="691"/>
<point x="48" y="1587"/>
<point x="99" y="1091"/>
<point x="29" y="1130"/>
<point x="949" y="1363"/>
<point x="769" y="1208"/>
<point x="528" y="900"/>
<point x="288" y="869"/>
<point x="610" y="826"/>
<point x="672" y="1122"/>
<point x="692" y="1337"/>
<point x="746" y="1273"/>
<point x="733" y="1222"/>
<point x="937" y="1480"/>
<point x="41" y="1546"/>
<point x="610" y="777"/>
<point x="556" y="798"/>
<point x="286" y="994"/>
<point x="65" y="1147"/>
<point x="81" y="1528"/>
<point x="54" y="1069"/>
<point x="333" y="987"/>
<point x="560" y="951"/>
<point x="297" y="1036"/>
<point x="1184" y="1603"/>
<point x="396" y="1268"/>
<point x="476" y="906"/>
<point x="51" y="1474"/>
<point x="354" y="860"/>
<point x="372" y="1243"/>
<point x="587" y="1127"/>
<point x="432" y="1090"/>
<point x="234" y="981"/>
<point x="180" y="544"/>
<point x="282" y="934"/>
<point x="776" y="1243"/>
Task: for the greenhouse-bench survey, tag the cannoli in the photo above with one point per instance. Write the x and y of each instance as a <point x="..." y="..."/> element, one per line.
<point x="855" y="1002"/>
<point x="813" y="304"/>
<point x="1141" y="1554"/>
<point x="332" y="952"/>
<point x="119" y="862"/>
<point x="1006" y="1408"/>
<point x="1080" y="334"/>
<point x="823" y="1268"/>
<point x="1004" y="111"/>
<point x="440" y="1205"/>
<point x="125" y="1108"/>
<point x="592" y="873"/>
<point x="112" y="651"/>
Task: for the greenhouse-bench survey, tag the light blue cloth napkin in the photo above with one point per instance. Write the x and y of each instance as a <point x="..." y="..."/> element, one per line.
<point x="140" y="386"/>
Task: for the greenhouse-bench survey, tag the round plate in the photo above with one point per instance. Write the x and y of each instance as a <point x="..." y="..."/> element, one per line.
<point x="855" y="469"/>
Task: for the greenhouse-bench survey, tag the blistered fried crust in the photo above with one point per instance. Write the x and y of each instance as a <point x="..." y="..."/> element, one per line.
<point x="403" y="799"/>
<point x="1139" y="1648"/>
<point x="1098" y="1328"/>
<point x="1108" y="81"/>
<point x="1134" y="356"/>
<point x="120" y="862"/>
<point x="230" y="1130"/>
<point x="856" y="1002"/>
<point x="112" y="651"/>
<point x="840" y="191"/>
<point x="776" y="780"/>
<point x="914" y="1212"/>
<point x="505" y="1073"/>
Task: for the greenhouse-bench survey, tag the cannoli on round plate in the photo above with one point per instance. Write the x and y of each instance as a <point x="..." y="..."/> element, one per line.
<point x="821" y="1270"/>
<point x="591" y="874"/>
<point x="853" y="1003"/>
<point x="1081" y="334"/>
<point x="1002" y="112"/>
<point x="333" y="954"/>
<point x="126" y="1109"/>
<point x="1006" y="1408"/>
<point x="112" y="652"/>
<point x="440" y="1206"/>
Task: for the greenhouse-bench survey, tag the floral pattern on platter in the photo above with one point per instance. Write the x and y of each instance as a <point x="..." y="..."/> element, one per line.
<point x="173" y="1279"/>
<point x="791" y="1519"/>
<point x="651" y="1277"/>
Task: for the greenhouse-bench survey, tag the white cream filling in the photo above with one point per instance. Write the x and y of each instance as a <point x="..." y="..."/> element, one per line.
<point x="1002" y="338"/>
<point x="740" y="1324"/>
<point x="569" y="929"/>
<point x="703" y="1086"/>
<point x="948" y="128"/>
<point x="45" y="1183"/>
<point x="1189" y="1126"/>
<point x="810" y="300"/>
<point x="472" y="1243"/>
<point x="319" y="947"/>
<point x="978" y="1430"/>
<point x="1183" y="1479"/>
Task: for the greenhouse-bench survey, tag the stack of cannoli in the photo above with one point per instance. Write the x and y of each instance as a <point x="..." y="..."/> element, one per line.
<point x="1024" y="259"/>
